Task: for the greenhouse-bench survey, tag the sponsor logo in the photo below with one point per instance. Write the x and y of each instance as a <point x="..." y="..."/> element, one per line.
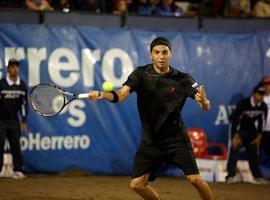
<point x="223" y="114"/>
<point x="194" y="85"/>
<point x="173" y="89"/>
<point x="38" y="142"/>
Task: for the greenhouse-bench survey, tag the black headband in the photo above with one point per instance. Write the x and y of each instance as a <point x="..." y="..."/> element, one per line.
<point x="160" y="41"/>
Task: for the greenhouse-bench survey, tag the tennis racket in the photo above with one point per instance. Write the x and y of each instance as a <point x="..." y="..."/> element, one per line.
<point x="49" y="100"/>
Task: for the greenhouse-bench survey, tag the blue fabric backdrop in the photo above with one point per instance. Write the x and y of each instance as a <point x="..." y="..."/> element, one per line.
<point x="103" y="137"/>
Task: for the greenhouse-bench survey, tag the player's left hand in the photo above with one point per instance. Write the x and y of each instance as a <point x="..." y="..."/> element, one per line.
<point x="200" y="97"/>
<point x="236" y="141"/>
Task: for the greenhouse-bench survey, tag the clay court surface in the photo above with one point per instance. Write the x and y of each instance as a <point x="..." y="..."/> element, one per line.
<point x="85" y="187"/>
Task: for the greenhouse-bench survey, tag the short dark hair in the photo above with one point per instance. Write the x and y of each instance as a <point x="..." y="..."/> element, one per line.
<point x="13" y="61"/>
<point x="160" y="41"/>
<point x="259" y="88"/>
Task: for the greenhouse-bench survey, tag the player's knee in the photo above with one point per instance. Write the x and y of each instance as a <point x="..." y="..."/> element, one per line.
<point x="136" y="185"/>
<point x="195" y="180"/>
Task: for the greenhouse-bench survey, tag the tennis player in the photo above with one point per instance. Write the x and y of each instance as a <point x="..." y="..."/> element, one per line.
<point x="161" y="94"/>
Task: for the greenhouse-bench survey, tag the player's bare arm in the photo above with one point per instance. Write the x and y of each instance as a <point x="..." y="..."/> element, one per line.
<point x="122" y="94"/>
<point x="201" y="98"/>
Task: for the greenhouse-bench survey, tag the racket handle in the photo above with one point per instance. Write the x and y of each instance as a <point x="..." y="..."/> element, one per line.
<point x="83" y="96"/>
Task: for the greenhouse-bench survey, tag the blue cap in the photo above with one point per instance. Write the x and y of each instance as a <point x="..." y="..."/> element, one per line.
<point x="13" y="61"/>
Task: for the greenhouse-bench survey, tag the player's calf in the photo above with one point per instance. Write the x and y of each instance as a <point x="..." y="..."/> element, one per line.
<point x="202" y="187"/>
<point x="195" y="180"/>
<point x="140" y="185"/>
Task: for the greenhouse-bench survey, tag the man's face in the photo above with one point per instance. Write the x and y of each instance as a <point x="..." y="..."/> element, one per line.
<point x="258" y="97"/>
<point x="161" y="55"/>
<point x="121" y="6"/>
<point x="13" y="69"/>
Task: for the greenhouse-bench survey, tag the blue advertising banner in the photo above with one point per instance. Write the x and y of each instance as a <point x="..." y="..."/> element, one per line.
<point x="101" y="137"/>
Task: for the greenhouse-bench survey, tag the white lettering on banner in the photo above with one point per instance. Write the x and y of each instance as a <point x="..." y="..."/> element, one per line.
<point x="46" y="143"/>
<point x="268" y="53"/>
<point x="108" y="66"/>
<point x="12" y="52"/>
<point x="224" y="112"/>
<point x="268" y="50"/>
<point x="64" y="67"/>
<point x="63" y="60"/>
<point x="68" y="142"/>
<point x="88" y="61"/>
<point x="78" y="116"/>
<point x="75" y="109"/>
<point x="35" y="141"/>
<point x="36" y="56"/>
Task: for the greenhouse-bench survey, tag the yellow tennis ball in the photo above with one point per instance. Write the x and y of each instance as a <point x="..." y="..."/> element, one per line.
<point x="107" y="86"/>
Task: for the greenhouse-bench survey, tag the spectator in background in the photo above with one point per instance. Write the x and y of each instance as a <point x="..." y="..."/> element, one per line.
<point x="120" y="7"/>
<point x="13" y="98"/>
<point x="95" y="6"/>
<point x="38" y="5"/>
<point x="168" y="8"/>
<point x="266" y="134"/>
<point x="12" y="3"/>
<point x="247" y="122"/>
<point x="218" y="7"/>
<point x="63" y="5"/>
<point x="145" y="7"/>
<point x="238" y="8"/>
<point x="262" y="9"/>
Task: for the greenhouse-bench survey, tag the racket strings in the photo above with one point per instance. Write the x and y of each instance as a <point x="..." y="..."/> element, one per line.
<point x="47" y="100"/>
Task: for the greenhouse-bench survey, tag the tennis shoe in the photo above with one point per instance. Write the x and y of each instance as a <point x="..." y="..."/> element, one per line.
<point x="18" y="175"/>
<point x="260" y="181"/>
<point x="232" y="179"/>
<point x="2" y="175"/>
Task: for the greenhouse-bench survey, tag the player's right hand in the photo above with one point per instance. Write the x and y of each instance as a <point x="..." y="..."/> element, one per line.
<point x="95" y="95"/>
<point x="23" y="126"/>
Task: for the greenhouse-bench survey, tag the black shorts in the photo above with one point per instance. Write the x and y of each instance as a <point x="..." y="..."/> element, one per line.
<point x="151" y="157"/>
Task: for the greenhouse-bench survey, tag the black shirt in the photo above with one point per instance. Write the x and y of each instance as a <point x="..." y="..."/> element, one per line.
<point x="248" y="117"/>
<point x="160" y="98"/>
<point x="13" y="98"/>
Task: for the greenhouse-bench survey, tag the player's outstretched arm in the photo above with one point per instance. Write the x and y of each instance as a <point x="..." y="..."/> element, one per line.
<point x="112" y="96"/>
<point x="201" y="99"/>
